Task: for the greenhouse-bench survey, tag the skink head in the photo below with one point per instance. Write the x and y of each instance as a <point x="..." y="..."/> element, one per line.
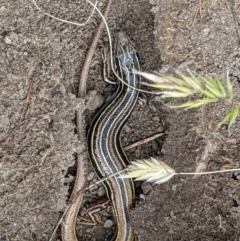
<point x="126" y="55"/>
<point x="123" y="43"/>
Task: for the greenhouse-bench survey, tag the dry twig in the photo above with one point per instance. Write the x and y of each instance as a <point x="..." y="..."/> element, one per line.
<point x="141" y="142"/>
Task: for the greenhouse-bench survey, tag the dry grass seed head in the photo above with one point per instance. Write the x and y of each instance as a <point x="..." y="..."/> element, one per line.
<point x="210" y="88"/>
<point x="150" y="170"/>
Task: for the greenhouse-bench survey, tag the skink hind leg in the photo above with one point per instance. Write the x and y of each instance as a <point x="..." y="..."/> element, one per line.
<point x="92" y="214"/>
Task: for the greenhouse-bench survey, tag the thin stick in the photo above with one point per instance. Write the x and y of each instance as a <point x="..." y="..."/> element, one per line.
<point x="143" y="141"/>
<point x="68" y="219"/>
<point x="85" y="69"/>
<point x="204" y="173"/>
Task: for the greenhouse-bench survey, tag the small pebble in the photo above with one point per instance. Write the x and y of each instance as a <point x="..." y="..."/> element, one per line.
<point x="11" y="38"/>
<point x="154" y="146"/>
<point x="146" y="187"/>
<point x="90" y="176"/>
<point x="156" y="118"/>
<point x="105" y="213"/>
<point x="142" y="196"/>
<point x="160" y="129"/>
<point x="59" y="88"/>
<point x="206" y="31"/>
<point x="174" y="188"/>
<point x="94" y="180"/>
<point x="137" y="153"/>
<point x="108" y="223"/>
<point x="94" y="100"/>
<point x="7" y="40"/>
<point x="163" y="151"/>
<point x="100" y="192"/>
<point x="2" y="8"/>
<point x="82" y="212"/>
<point x="126" y="128"/>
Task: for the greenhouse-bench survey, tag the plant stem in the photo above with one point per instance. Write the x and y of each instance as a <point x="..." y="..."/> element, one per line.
<point x="204" y="173"/>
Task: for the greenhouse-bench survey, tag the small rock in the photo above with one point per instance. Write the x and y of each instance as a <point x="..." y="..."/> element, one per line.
<point x="152" y="107"/>
<point x="105" y="213"/>
<point x="126" y="128"/>
<point x="90" y="176"/>
<point x="156" y="118"/>
<point x="2" y="8"/>
<point x="108" y="223"/>
<point x="174" y="188"/>
<point x="154" y="146"/>
<point x="11" y="38"/>
<point x="142" y="196"/>
<point x="206" y="31"/>
<point x="101" y="192"/>
<point x="137" y="153"/>
<point x="94" y="180"/>
<point x="163" y="151"/>
<point x="94" y="100"/>
<point x="160" y="129"/>
<point x="59" y="88"/>
<point x="7" y="40"/>
<point x="146" y="187"/>
<point x="82" y="213"/>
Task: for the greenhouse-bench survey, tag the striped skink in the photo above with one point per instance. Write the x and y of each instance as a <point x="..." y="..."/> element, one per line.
<point x="104" y="143"/>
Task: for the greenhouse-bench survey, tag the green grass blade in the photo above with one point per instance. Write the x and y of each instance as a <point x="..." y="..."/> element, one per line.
<point x="197" y="103"/>
<point x="215" y="91"/>
<point x="234" y="114"/>
<point x="206" y="81"/>
<point x="226" y="117"/>
<point x="195" y="81"/>
<point x="229" y="87"/>
<point x="184" y="89"/>
<point x="208" y="94"/>
<point x="221" y="88"/>
<point x="213" y="87"/>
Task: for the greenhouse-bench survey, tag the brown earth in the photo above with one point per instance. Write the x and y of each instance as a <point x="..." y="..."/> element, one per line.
<point x="41" y="59"/>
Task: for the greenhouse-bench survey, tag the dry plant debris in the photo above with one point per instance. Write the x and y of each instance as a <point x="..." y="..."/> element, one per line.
<point x="211" y="90"/>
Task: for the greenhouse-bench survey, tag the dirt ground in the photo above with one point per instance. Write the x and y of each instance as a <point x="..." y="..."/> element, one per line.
<point x="40" y="63"/>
